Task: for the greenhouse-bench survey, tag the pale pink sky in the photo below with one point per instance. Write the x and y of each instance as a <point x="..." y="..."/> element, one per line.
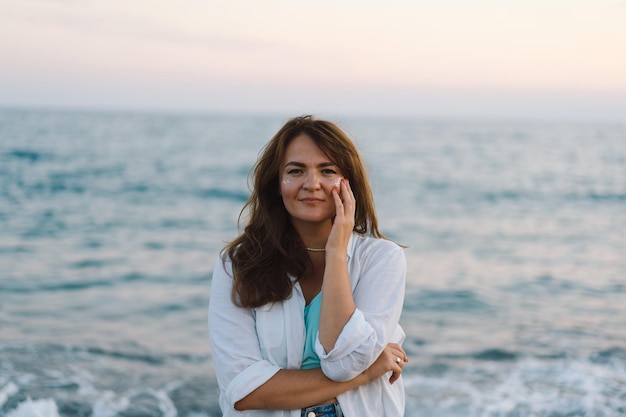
<point x="550" y="58"/>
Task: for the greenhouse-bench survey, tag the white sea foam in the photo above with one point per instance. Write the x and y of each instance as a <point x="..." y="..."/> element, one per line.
<point x="528" y="387"/>
<point x="109" y="404"/>
<point x="7" y="391"/>
<point x="38" y="408"/>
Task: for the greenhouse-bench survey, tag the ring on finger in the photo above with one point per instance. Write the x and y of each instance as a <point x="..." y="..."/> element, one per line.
<point x="398" y="360"/>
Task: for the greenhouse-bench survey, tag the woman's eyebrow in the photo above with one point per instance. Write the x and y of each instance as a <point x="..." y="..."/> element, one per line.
<point x="301" y="165"/>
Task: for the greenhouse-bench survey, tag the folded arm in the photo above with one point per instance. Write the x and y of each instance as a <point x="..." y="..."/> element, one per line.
<point x="293" y="389"/>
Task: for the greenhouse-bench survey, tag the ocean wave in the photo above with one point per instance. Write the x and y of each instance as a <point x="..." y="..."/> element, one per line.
<point x="69" y="285"/>
<point x="495" y="355"/>
<point x="103" y="381"/>
<point x="7" y="391"/>
<point x="491" y="354"/>
<point x="222" y="194"/>
<point x="138" y="354"/>
<point x="45" y="407"/>
<point x="106" y="182"/>
<point x="50" y="284"/>
<point x="93" y="380"/>
<point x="145" y="402"/>
<point x="468" y="194"/>
<point x="609" y="356"/>
<point x="446" y="301"/>
<point x="33" y="287"/>
<point x="90" y="263"/>
<point x="28" y="155"/>
<point x="603" y="197"/>
<point x="499" y="354"/>
<point x="549" y="286"/>
<point x="130" y="351"/>
<point x="150" y="358"/>
<point x="14" y="249"/>
<point x="526" y="386"/>
<point x="191" y="303"/>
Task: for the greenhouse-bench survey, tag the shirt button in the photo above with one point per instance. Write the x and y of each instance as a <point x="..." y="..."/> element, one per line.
<point x="311" y="414"/>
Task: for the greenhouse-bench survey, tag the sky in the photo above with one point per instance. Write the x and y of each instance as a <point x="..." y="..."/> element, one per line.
<point x="531" y="59"/>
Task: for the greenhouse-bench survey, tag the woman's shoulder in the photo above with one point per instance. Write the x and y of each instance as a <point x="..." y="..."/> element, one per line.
<point x="223" y="265"/>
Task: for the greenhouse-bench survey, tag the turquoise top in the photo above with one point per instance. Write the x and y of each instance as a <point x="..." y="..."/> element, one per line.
<point x="310" y="360"/>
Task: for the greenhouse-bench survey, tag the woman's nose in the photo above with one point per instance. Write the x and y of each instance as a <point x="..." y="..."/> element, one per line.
<point x="312" y="181"/>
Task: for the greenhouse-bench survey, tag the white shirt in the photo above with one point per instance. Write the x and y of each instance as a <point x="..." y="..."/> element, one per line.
<point x="250" y="345"/>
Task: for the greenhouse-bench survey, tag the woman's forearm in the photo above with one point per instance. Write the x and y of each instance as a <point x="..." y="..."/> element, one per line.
<point x="291" y="389"/>
<point x="337" y="300"/>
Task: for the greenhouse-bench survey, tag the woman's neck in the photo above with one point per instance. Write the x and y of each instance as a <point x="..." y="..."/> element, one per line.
<point x="313" y="235"/>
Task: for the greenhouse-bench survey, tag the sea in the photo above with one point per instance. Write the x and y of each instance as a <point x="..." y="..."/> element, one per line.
<point x="111" y="223"/>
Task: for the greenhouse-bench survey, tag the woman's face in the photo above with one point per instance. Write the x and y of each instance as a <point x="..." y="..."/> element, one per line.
<point x="307" y="178"/>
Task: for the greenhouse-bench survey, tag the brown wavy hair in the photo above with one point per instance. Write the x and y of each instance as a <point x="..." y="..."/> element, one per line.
<point x="269" y="251"/>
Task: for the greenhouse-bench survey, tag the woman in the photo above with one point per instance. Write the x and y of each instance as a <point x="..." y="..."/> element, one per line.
<point x="305" y="303"/>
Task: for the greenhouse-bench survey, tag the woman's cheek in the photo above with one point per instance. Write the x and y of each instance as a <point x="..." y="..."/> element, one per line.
<point x="334" y="184"/>
<point x="288" y="185"/>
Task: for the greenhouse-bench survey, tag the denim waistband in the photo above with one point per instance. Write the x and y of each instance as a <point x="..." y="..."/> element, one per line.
<point x="328" y="410"/>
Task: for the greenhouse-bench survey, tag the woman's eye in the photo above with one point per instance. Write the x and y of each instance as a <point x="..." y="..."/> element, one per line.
<point x="294" y="171"/>
<point x="329" y="171"/>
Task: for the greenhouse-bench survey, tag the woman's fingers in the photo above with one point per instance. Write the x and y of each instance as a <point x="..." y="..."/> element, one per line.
<point x="347" y="196"/>
<point x="391" y="359"/>
<point x="338" y="202"/>
<point x="399" y="351"/>
<point x="396" y="370"/>
<point x="398" y="358"/>
<point x="343" y="223"/>
<point x="344" y="198"/>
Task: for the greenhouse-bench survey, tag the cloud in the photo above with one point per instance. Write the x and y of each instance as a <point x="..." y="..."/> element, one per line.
<point x="88" y="20"/>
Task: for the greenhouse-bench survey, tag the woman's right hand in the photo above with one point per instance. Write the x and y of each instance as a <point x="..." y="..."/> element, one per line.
<point x="392" y="358"/>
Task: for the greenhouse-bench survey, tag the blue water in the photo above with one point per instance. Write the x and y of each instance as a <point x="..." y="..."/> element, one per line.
<point x="110" y="224"/>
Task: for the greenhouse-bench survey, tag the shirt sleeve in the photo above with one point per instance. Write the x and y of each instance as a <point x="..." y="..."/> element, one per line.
<point x="239" y="364"/>
<point x="379" y="296"/>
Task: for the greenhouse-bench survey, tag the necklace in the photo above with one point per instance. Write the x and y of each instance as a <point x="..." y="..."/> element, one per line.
<point x="316" y="249"/>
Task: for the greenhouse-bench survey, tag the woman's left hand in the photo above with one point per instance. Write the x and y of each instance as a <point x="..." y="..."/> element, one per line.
<point x="392" y="358"/>
<point x="343" y="223"/>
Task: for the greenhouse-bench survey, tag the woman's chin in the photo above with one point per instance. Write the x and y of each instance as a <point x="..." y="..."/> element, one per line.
<point x="312" y="219"/>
